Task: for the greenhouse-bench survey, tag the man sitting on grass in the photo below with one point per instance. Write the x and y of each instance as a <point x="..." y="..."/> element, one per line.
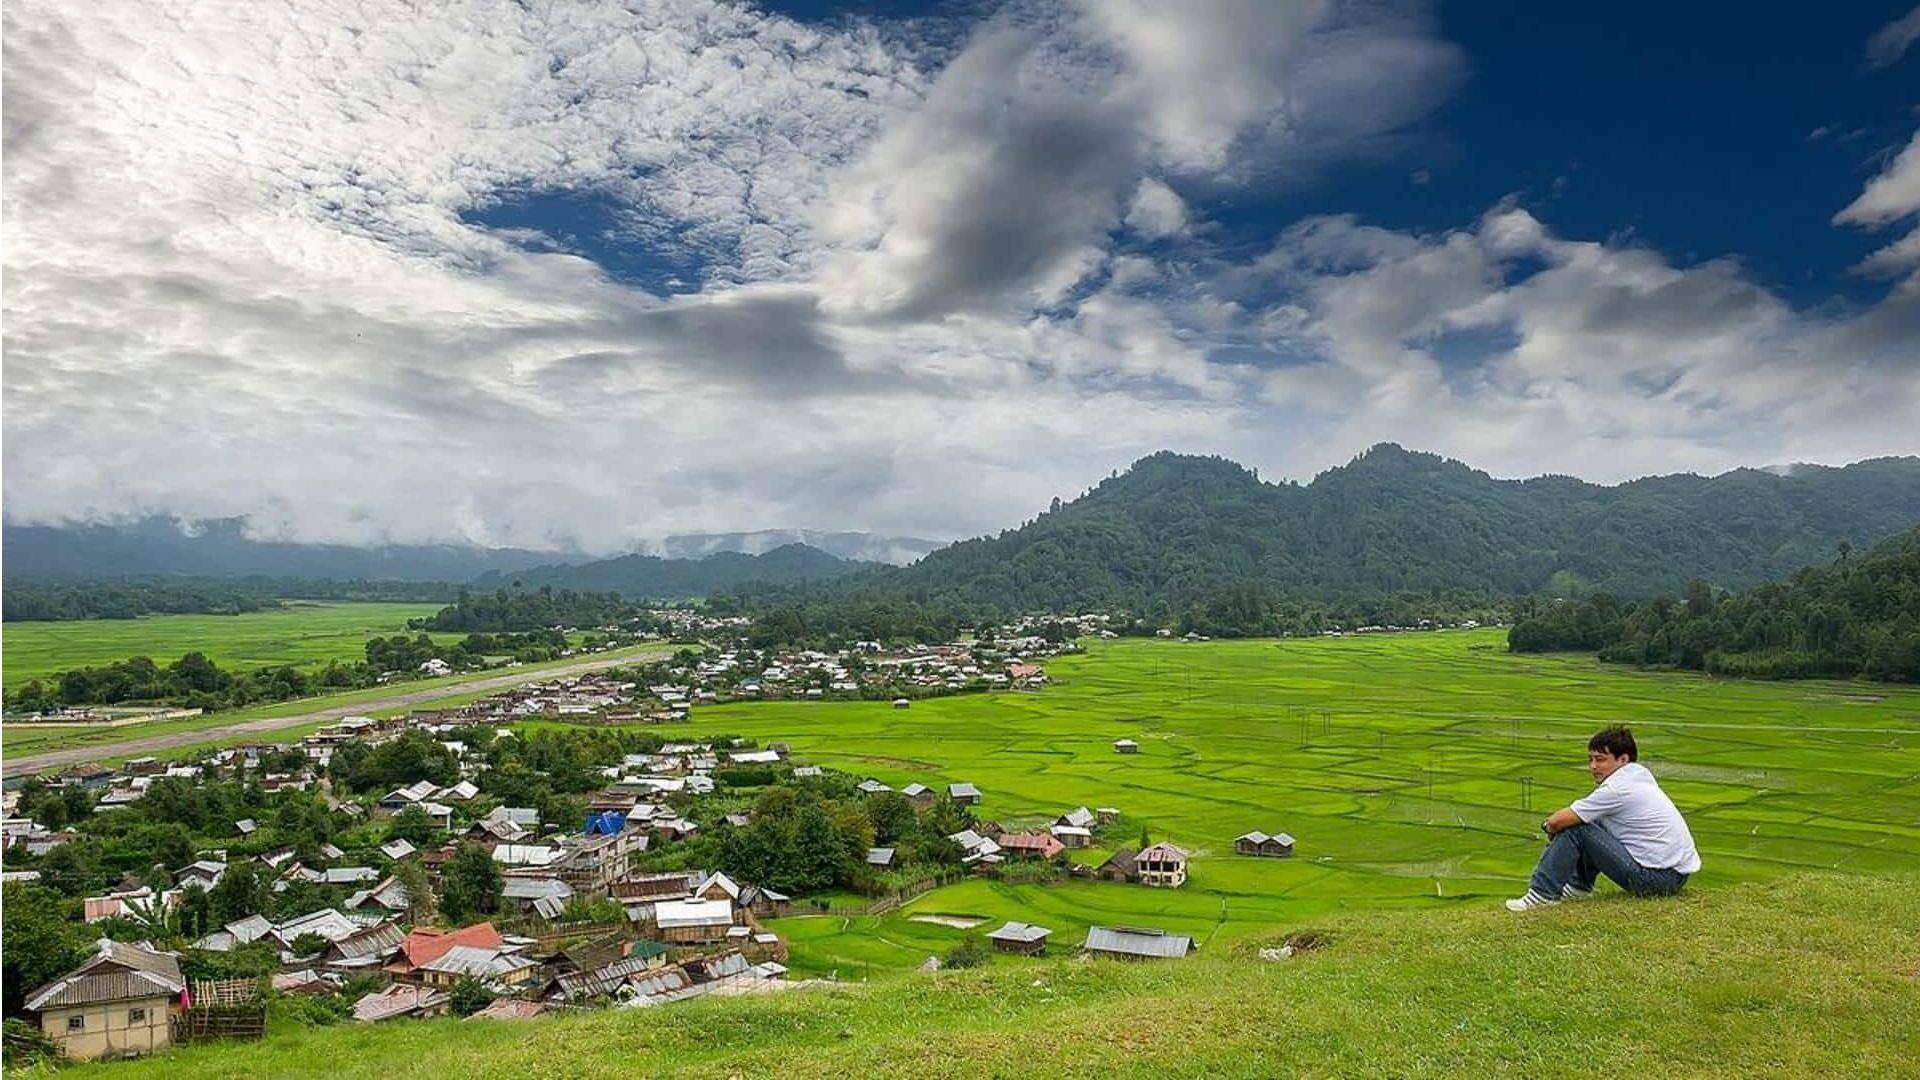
<point x="1627" y="829"/>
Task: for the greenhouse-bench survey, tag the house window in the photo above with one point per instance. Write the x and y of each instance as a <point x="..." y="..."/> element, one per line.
<point x="136" y="1016"/>
<point x="76" y="1023"/>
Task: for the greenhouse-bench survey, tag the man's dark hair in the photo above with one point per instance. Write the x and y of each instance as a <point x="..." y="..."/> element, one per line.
<point x="1617" y="741"/>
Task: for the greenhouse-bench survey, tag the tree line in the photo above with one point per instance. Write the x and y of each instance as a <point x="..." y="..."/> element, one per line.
<point x="60" y="600"/>
<point x="530" y="609"/>
<point x="1856" y="616"/>
<point x="197" y="682"/>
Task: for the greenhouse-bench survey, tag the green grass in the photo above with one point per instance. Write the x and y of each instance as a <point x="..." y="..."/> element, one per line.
<point x="1806" y="975"/>
<point x="303" y="633"/>
<point x="23" y="739"/>
<point x="1397" y="761"/>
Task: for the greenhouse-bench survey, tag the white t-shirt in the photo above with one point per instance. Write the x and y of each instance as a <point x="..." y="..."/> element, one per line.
<point x="1630" y="805"/>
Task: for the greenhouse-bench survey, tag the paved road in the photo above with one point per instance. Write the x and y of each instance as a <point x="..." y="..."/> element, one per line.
<point x="60" y="759"/>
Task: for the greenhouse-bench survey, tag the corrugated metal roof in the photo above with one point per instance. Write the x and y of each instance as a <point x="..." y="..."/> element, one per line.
<point x="102" y="986"/>
<point x="1019" y="931"/>
<point x="373" y="941"/>
<point x="1130" y="941"/>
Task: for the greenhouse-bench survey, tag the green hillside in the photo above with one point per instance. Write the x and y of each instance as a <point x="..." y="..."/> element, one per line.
<point x="1807" y="976"/>
<point x="1175" y="530"/>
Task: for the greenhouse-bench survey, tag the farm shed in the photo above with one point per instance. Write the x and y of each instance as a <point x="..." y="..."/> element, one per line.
<point x="1276" y="846"/>
<point x="1022" y="938"/>
<point x="1134" y="943"/>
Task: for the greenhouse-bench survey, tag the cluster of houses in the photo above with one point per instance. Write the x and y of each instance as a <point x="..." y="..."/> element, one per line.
<point x="682" y="934"/>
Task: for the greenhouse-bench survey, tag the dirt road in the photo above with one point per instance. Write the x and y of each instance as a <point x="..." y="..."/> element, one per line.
<point x="240" y="729"/>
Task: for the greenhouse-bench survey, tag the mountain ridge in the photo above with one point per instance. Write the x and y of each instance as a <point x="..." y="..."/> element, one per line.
<point x="1174" y="528"/>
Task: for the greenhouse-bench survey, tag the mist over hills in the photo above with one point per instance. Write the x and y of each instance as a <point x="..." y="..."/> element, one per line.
<point x="220" y="548"/>
<point x="651" y="576"/>
<point x="1170" y="530"/>
<point x="854" y="546"/>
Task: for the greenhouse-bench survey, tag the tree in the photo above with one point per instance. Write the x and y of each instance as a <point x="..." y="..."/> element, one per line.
<point x="196" y="912"/>
<point x="892" y="816"/>
<point x="240" y="892"/>
<point x="71" y="868"/>
<point x="412" y="880"/>
<point x="472" y="884"/>
<point x="413" y="825"/>
<point x="469" y="996"/>
<point x="42" y="941"/>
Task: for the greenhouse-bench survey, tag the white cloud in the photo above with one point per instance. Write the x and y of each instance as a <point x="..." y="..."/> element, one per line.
<point x="1889" y="43"/>
<point x="1522" y="352"/>
<point x="1156" y="210"/>
<point x="242" y="275"/>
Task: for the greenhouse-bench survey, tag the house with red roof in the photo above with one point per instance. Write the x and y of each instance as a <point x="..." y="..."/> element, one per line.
<point x="425" y="944"/>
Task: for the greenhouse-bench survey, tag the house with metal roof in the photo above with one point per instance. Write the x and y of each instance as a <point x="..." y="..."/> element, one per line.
<point x="1135" y="943"/>
<point x="1018" y="937"/>
<point x="401" y="999"/>
<point x="693" y="921"/>
<point x="120" y="1001"/>
<point x="1276" y="846"/>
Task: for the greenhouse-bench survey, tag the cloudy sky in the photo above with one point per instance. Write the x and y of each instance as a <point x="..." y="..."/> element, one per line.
<point x="551" y="274"/>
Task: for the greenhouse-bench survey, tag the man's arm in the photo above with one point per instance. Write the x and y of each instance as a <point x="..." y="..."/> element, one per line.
<point x="1562" y="820"/>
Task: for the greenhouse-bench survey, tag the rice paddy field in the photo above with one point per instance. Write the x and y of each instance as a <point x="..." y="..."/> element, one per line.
<point x="302" y="633"/>
<point x="1412" y="769"/>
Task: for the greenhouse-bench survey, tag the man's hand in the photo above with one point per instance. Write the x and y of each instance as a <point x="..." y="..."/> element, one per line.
<point x="1562" y="820"/>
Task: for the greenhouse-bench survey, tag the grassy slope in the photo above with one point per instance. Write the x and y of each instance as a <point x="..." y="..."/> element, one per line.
<point x="1810" y="975"/>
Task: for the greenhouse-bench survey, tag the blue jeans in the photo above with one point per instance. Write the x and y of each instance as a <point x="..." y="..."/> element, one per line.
<point x="1578" y="856"/>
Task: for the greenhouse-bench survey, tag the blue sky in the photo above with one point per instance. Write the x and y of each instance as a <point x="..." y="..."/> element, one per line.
<point x="581" y="276"/>
<point x="1704" y="130"/>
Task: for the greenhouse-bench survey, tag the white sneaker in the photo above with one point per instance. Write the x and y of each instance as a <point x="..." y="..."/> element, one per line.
<point x="1530" y="901"/>
<point x="1574" y="892"/>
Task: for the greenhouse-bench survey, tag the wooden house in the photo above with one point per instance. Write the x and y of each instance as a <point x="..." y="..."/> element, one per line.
<point x="1031" y="845"/>
<point x="1022" y="938"/>
<point x="120" y="1001"/>
<point x="1276" y="846"/>
<point x="1119" y="866"/>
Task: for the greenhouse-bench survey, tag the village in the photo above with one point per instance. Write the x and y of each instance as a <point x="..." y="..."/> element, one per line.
<point x="550" y="849"/>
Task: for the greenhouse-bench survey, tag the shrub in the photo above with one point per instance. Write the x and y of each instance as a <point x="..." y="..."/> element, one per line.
<point x="469" y="996"/>
<point x="971" y="952"/>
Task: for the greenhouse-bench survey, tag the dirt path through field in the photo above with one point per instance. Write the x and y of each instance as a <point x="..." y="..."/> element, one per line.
<point x="60" y="759"/>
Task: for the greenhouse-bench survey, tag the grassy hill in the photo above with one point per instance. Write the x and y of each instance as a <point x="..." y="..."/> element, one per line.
<point x="1810" y="975"/>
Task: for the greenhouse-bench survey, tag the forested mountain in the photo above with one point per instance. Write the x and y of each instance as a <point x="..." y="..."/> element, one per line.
<point x="1858" y="615"/>
<point x="221" y="549"/>
<point x="647" y="576"/>
<point x="1176" y="531"/>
